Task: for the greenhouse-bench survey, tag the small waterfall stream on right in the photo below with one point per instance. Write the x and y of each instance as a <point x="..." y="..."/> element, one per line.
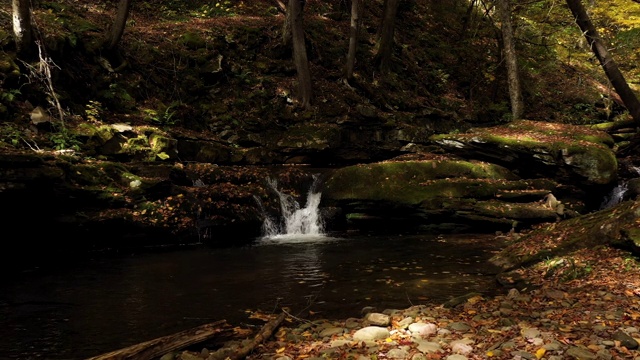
<point x="617" y="194"/>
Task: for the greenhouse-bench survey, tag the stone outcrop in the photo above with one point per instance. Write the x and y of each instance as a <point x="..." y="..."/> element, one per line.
<point x="439" y="194"/>
<point x="568" y="153"/>
<point x="503" y="178"/>
<point x="137" y="186"/>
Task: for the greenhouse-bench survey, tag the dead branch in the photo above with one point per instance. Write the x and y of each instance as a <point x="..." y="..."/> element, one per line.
<point x="264" y="334"/>
<point x="157" y="347"/>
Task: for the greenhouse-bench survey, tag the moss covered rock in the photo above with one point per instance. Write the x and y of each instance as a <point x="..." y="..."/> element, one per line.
<point x="568" y="153"/>
<point x="430" y="193"/>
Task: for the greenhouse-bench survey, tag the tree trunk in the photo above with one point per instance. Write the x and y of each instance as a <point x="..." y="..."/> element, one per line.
<point x="353" y="38"/>
<point x="513" y="78"/>
<point x="117" y="29"/>
<point x="300" y="53"/>
<point x="286" y="30"/>
<point x="606" y="61"/>
<point x="22" y="29"/>
<point x="385" y="45"/>
<point x="468" y="17"/>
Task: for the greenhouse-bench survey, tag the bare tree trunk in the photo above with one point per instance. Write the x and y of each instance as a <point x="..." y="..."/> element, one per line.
<point x="353" y="38"/>
<point x="117" y="29"/>
<point x="513" y="78"/>
<point x="22" y="29"/>
<point x="468" y="17"/>
<point x="287" y="37"/>
<point x="385" y="46"/>
<point x="606" y="61"/>
<point x="300" y="52"/>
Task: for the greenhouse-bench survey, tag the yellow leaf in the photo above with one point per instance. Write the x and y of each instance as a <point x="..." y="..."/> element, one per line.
<point x="540" y="353"/>
<point x="490" y="353"/>
<point x="280" y="351"/>
<point x="388" y="340"/>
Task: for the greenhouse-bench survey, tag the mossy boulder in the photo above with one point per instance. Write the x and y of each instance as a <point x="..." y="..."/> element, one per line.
<point x="568" y="153"/>
<point x="617" y="226"/>
<point x="424" y="193"/>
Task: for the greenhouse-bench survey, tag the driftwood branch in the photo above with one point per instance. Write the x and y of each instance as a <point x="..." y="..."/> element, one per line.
<point x="264" y="334"/>
<point x="162" y="345"/>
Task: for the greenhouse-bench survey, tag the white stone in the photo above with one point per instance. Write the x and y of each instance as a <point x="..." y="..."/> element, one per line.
<point x="423" y="329"/>
<point x="371" y="333"/>
<point x="461" y="348"/>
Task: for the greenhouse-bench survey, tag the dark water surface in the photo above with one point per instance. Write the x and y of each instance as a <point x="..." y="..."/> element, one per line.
<point x="103" y="304"/>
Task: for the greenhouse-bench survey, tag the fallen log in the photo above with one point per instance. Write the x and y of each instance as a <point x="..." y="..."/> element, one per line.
<point x="264" y="334"/>
<point x="612" y="126"/>
<point x="157" y="347"/>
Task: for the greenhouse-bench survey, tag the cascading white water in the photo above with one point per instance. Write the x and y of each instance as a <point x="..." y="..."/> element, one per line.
<point x="296" y="221"/>
<point x="615" y="196"/>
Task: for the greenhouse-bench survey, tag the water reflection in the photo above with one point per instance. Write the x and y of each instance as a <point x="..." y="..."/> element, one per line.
<point x="104" y="304"/>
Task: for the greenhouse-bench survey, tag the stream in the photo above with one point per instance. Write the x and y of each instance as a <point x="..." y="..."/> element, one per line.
<point x="74" y="311"/>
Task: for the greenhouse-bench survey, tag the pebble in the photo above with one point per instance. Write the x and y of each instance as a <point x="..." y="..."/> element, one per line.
<point x="429" y="346"/>
<point x="328" y="332"/>
<point x="400" y="353"/>
<point x="456" y="357"/>
<point x="625" y="340"/>
<point x="530" y="333"/>
<point x="461" y="348"/>
<point x="339" y="343"/>
<point x="378" y="319"/>
<point x="579" y="353"/>
<point x="404" y="323"/>
<point x="459" y="326"/>
<point x="423" y="329"/>
<point x="352" y="323"/>
<point x="371" y="333"/>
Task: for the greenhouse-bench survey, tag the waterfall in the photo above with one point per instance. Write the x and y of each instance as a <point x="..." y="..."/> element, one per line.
<point x="295" y="221"/>
<point x="615" y="196"/>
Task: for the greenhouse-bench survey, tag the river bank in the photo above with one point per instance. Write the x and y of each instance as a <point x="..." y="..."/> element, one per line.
<point x="581" y="306"/>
